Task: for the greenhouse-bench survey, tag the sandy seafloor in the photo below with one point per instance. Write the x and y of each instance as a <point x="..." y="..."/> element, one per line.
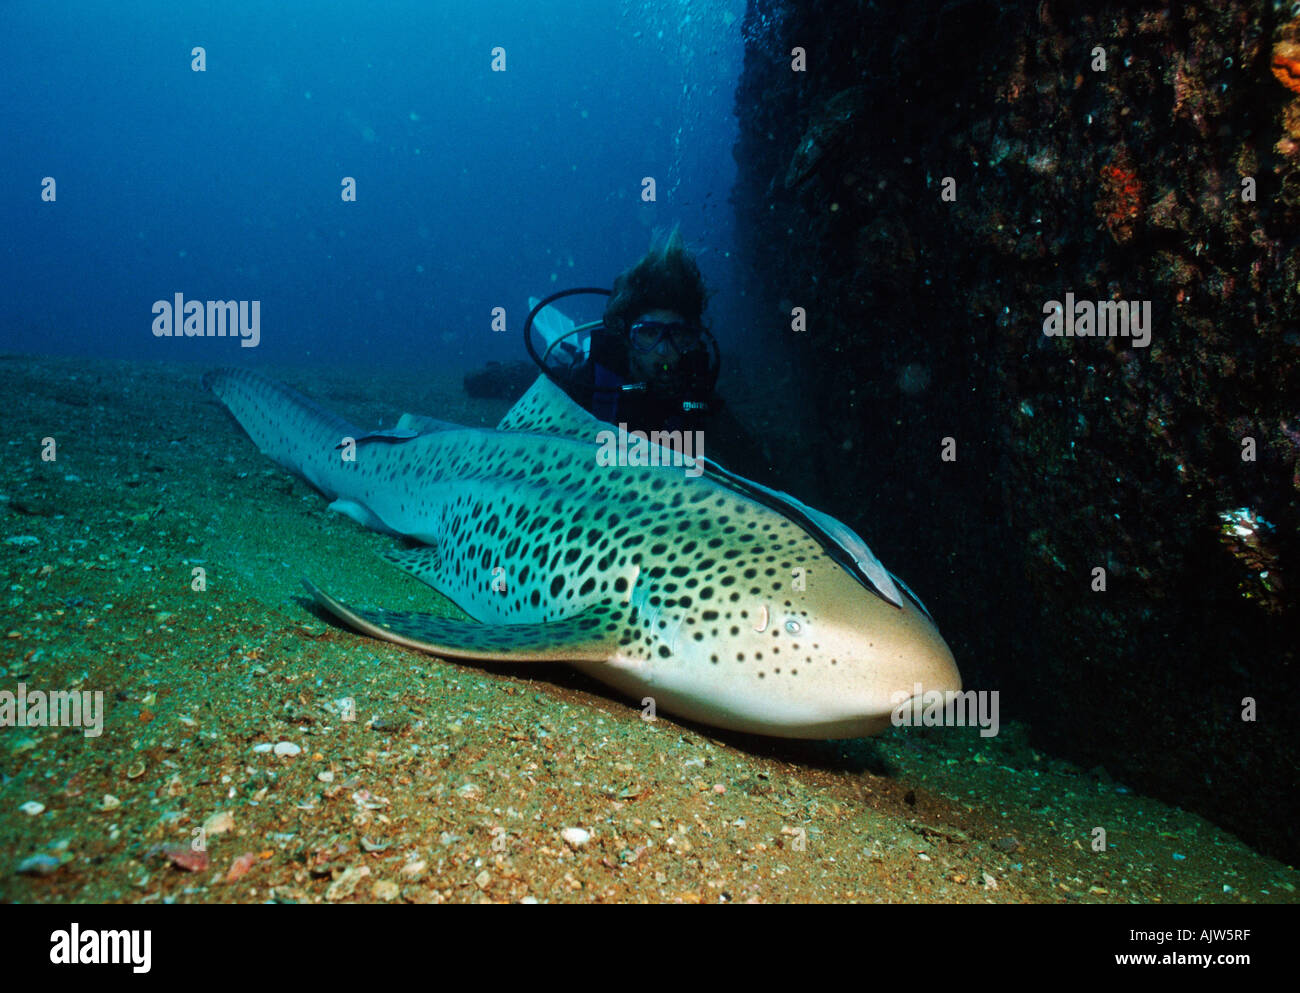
<point x="452" y="783"/>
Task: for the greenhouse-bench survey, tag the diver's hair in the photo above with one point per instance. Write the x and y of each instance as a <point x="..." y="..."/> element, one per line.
<point x="666" y="278"/>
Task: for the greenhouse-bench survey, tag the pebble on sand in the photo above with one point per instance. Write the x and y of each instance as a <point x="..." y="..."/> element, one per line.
<point x="222" y="822"/>
<point x="575" y="836"/>
<point x="32" y="807"/>
<point x="240" y="866"/>
<point x="346" y="884"/>
<point x="185" y="857"/>
<point x="287" y="748"/>
<point x="38" y="865"/>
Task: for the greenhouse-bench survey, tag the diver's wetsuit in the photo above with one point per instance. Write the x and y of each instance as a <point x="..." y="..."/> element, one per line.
<point x="596" y="385"/>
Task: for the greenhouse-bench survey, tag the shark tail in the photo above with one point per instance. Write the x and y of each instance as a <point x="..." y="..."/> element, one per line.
<point x="296" y="432"/>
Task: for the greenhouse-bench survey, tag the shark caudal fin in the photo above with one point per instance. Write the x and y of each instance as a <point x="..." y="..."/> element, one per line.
<point x="296" y="432"/>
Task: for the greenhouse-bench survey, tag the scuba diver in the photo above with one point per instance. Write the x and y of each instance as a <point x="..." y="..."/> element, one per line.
<point x="650" y="362"/>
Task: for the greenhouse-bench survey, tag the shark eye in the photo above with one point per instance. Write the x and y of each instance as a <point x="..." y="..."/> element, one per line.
<point x="792" y="627"/>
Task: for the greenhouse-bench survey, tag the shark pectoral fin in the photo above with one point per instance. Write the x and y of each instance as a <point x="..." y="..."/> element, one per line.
<point x="589" y="636"/>
<point x="362" y="514"/>
<point x="425" y="564"/>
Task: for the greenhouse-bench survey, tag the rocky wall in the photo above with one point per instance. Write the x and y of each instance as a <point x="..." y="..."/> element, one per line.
<point x="930" y="187"/>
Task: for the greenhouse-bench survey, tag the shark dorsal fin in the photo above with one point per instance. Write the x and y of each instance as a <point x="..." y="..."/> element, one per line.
<point x="547" y="409"/>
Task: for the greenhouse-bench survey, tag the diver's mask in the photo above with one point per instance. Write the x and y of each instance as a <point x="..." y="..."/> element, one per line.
<point x="682" y="357"/>
<point x="685" y="357"/>
<point x="646" y="336"/>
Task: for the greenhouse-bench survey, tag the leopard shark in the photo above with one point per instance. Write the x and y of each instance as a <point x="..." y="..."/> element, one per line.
<point x="725" y="602"/>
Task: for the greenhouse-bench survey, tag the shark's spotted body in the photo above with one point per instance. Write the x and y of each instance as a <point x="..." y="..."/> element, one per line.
<point x="726" y="603"/>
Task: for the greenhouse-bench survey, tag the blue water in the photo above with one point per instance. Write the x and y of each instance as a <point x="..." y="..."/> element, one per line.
<point x="475" y="189"/>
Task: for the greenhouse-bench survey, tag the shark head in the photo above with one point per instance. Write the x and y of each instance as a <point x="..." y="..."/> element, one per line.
<point x="851" y="657"/>
<point x="778" y="639"/>
<point x="848" y="648"/>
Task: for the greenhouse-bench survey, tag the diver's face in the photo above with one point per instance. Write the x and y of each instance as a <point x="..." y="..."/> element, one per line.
<point x="657" y="364"/>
